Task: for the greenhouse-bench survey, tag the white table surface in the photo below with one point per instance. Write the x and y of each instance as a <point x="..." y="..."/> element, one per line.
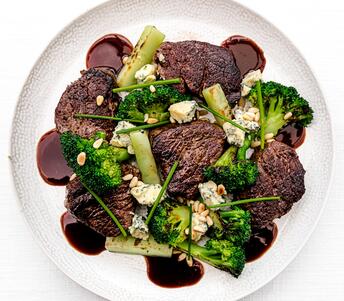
<point x="316" y="27"/>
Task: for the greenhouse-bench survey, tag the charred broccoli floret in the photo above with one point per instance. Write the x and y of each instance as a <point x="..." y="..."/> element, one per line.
<point x="169" y="222"/>
<point x="279" y="100"/>
<point x="235" y="176"/>
<point x="101" y="170"/>
<point x="143" y="101"/>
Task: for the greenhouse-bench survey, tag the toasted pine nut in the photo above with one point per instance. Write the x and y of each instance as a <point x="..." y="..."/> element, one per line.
<point x="201" y="208"/>
<point x="255" y="143"/>
<point x="209" y="221"/>
<point x="125" y="59"/>
<point x="139" y="183"/>
<point x="247" y="117"/>
<point x="270" y="140"/>
<point x="268" y="136"/>
<point x="288" y="115"/>
<point x="99" y="100"/>
<point x="202" y="218"/>
<point x="127" y="177"/>
<point x="195" y="206"/>
<point x="257" y="117"/>
<point x="205" y="213"/>
<point x="152" y="88"/>
<point x="72" y="177"/>
<point x="198" y="229"/>
<point x="187" y="231"/>
<point x="172" y="120"/>
<point x="81" y="158"/>
<point x="98" y="143"/>
<point x="176" y="252"/>
<point x="253" y="110"/>
<point x="221" y="189"/>
<point x="145" y="118"/>
<point x="181" y="257"/>
<point x="189" y="261"/>
<point x="133" y="182"/>
<point x="193" y="235"/>
<point x="152" y="120"/>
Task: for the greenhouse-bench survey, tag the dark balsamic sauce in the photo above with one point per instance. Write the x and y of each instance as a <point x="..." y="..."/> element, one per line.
<point x="108" y="51"/>
<point x="81" y="237"/>
<point x="248" y="55"/>
<point x="51" y="164"/>
<point x="292" y="135"/>
<point x="171" y="273"/>
<point x="260" y="241"/>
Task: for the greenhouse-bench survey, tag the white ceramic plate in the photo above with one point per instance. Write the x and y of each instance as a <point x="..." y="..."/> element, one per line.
<point x="121" y="277"/>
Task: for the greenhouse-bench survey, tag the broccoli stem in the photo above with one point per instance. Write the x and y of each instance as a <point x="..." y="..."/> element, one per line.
<point x="142" y="127"/>
<point x="144" y="157"/>
<point x="156" y="83"/>
<point x="227" y="157"/>
<point x="90" y="116"/>
<point x="224" y="118"/>
<point x="245" y="201"/>
<point x="217" y="101"/>
<point x="162" y="191"/>
<point x="133" y="246"/>
<point x="261" y="113"/>
<point x="241" y="154"/>
<point x="143" y="53"/>
<point x="107" y="210"/>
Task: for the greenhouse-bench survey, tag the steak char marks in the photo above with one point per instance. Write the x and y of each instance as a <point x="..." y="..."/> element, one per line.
<point x="80" y="97"/>
<point x="195" y="145"/>
<point x="199" y="65"/>
<point x="80" y="203"/>
<point x="280" y="174"/>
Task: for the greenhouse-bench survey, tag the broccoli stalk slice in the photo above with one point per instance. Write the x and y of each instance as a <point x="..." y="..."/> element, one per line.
<point x="171" y="81"/>
<point x="227" y="157"/>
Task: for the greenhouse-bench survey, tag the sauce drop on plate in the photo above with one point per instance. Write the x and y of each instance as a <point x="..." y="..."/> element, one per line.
<point x="171" y="273"/>
<point x="248" y="55"/>
<point x="292" y="135"/>
<point x="51" y="164"/>
<point x="260" y="241"/>
<point x="108" y="51"/>
<point x="81" y="237"/>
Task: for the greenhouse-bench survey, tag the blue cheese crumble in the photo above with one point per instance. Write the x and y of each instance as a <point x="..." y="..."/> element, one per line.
<point x="249" y="81"/>
<point x="146" y="74"/>
<point x="235" y="136"/>
<point x="209" y="194"/>
<point x="183" y="111"/>
<point x="122" y="140"/>
<point x="146" y="194"/>
<point x="138" y="228"/>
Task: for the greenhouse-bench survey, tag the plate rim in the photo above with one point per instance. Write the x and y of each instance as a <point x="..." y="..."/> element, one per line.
<point x="95" y="290"/>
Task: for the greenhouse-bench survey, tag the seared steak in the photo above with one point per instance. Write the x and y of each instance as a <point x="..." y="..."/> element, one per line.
<point x="196" y="145"/>
<point x="200" y="65"/>
<point x="280" y="174"/>
<point x="86" y="209"/>
<point x="80" y="97"/>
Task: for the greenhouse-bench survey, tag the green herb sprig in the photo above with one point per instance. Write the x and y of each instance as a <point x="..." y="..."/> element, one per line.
<point x="140" y="86"/>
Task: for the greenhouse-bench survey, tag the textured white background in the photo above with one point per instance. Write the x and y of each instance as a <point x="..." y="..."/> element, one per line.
<point x="316" y="27"/>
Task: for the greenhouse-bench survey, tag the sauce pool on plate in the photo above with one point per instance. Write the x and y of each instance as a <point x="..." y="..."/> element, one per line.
<point x="292" y="135"/>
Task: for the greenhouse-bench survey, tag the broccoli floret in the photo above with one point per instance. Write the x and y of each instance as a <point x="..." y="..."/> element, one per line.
<point x="169" y="222"/>
<point x="143" y="101"/>
<point x="101" y="170"/>
<point x="235" y="176"/>
<point x="279" y="100"/>
<point x="222" y="254"/>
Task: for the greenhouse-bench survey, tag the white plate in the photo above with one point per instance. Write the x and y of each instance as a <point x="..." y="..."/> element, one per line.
<point x="121" y="277"/>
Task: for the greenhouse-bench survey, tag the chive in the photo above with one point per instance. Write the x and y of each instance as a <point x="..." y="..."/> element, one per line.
<point x="107" y="210"/>
<point x="106" y="118"/>
<point x="162" y="190"/>
<point x="142" y="127"/>
<point x="156" y="83"/>
<point x="190" y="232"/>
<point x="239" y="202"/>
<point x="224" y="118"/>
<point x="262" y="114"/>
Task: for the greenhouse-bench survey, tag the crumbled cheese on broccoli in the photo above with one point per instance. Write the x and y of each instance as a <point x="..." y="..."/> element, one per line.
<point x="183" y="111"/>
<point x="146" y="73"/>
<point x="146" y="194"/>
<point x="235" y="136"/>
<point x="122" y="140"/>
<point x="138" y="228"/>
<point x="208" y="191"/>
<point x="249" y="81"/>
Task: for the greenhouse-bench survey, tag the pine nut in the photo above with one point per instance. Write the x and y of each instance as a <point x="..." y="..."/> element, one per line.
<point x="127" y="177"/>
<point x="201" y="208"/>
<point x="81" y="158"/>
<point x="139" y="183"/>
<point x="221" y="189"/>
<point x="193" y="235"/>
<point x="125" y="59"/>
<point x="133" y="182"/>
<point x="145" y="118"/>
<point x="247" y="117"/>
<point x="251" y="114"/>
<point x="150" y="78"/>
<point x="209" y="221"/>
<point x="255" y="143"/>
<point x="99" y="100"/>
<point x="152" y="120"/>
<point x="270" y="140"/>
<point x="152" y="88"/>
<point x="205" y="213"/>
<point x="288" y="115"/>
<point x="253" y="110"/>
<point x="189" y="261"/>
<point x="268" y="136"/>
<point x="202" y="218"/>
<point x="187" y="231"/>
<point x="176" y="252"/>
<point x="72" y="177"/>
<point x="198" y="229"/>
<point x="172" y="120"/>
<point x="181" y="257"/>
<point x="195" y="206"/>
<point x="98" y="143"/>
<point x="257" y="117"/>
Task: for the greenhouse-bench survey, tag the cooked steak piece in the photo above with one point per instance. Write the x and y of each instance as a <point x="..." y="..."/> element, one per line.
<point x="200" y="65"/>
<point x="196" y="145"/>
<point x="280" y="174"/>
<point x="86" y="209"/>
<point x="80" y="97"/>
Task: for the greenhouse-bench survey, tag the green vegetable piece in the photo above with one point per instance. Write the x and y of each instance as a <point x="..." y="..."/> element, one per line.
<point x="144" y="85"/>
<point x="142" y="127"/>
<point x="144" y="157"/>
<point x="245" y="201"/>
<point x="90" y="116"/>
<point x="143" y="53"/>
